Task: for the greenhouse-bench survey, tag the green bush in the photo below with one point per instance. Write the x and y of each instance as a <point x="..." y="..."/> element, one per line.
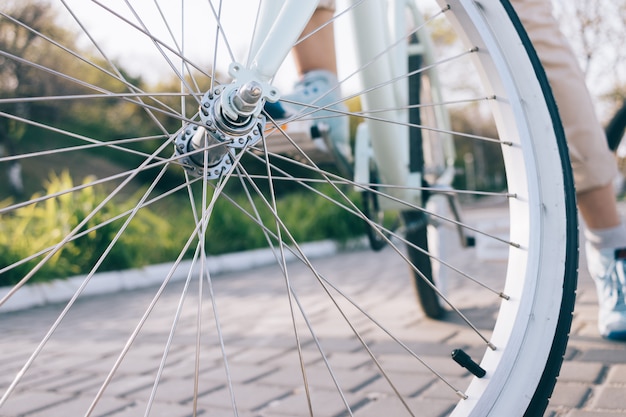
<point x="40" y="226"/>
<point x="307" y="217"/>
<point x="154" y="235"/>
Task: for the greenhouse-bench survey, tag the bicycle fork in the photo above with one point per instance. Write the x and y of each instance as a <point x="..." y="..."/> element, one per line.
<point x="231" y="116"/>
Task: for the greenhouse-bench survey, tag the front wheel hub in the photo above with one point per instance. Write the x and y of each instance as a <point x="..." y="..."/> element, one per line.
<point x="209" y="148"/>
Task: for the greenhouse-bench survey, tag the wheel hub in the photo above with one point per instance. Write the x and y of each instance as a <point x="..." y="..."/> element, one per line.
<point x="208" y="149"/>
<point x="230" y="120"/>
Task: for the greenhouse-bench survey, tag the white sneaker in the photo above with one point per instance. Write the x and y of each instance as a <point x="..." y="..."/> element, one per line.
<point x="316" y="89"/>
<point x="607" y="268"/>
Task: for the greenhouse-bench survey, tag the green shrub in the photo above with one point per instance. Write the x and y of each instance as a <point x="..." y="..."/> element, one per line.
<point x="154" y="235"/>
<point x="307" y="216"/>
<point x="36" y="227"/>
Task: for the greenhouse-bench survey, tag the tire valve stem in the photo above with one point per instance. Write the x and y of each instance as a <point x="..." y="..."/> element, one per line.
<point x="466" y="362"/>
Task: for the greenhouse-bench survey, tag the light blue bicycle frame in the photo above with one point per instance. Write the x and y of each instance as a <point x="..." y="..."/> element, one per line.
<point x="278" y="27"/>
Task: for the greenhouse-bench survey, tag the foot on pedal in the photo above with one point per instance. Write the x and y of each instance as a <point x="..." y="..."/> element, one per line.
<point x="318" y="89"/>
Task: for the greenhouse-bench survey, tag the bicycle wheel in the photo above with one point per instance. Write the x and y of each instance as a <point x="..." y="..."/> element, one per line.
<point x="425" y="285"/>
<point x="616" y="128"/>
<point x="306" y="336"/>
<point x="423" y="88"/>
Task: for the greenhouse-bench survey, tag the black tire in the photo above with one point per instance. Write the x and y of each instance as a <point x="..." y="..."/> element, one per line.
<point x="371" y="208"/>
<point x="417" y="222"/>
<point x="616" y="128"/>
<point x="545" y="387"/>
<point x="416" y="233"/>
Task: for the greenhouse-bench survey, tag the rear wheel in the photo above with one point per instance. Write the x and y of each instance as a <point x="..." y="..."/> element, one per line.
<point x="416" y="224"/>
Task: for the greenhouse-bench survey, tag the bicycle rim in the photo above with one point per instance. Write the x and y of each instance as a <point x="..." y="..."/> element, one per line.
<point x="301" y="336"/>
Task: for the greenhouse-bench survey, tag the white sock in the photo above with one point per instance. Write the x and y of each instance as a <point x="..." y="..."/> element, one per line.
<point x="611" y="238"/>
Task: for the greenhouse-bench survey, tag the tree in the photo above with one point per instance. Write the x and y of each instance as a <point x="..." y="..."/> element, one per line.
<point x="596" y="31"/>
<point x="39" y="58"/>
<point x="21" y="27"/>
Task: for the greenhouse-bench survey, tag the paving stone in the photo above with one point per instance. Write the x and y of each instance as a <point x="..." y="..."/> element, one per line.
<point x="71" y="383"/>
<point x="120" y="386"/>
<point x="247" y="397"/>
<point x="444" y="365"/>
<point x="238" y="373"/>
<point x="406" y="384"/>
<point x="440" y="390"/>
<point x="78" y="406"/>
<point x="160" y="409"/>
<point x="569" y="395"/>
<point x="319" y="377"/>
<point x="617" y="355"/>
<point x="610" y="398"/>
<point x="173" y="390"/>
<point x="28" y="381"/>
<point x="467" y="337"/>
<point x="617" y="374"/>
<point x="583" y="413"/>
<point x="30" y="401"/>
<point x="349" y="360"/>
<point x="586" y="372"/>
<point x="393" y="407"/>
<point x="323" y="402"/>
<point x="257" y="355"/>
<point x="263" y="358"/>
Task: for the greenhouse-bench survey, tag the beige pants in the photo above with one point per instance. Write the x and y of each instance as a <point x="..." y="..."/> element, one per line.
<point x="593" y="164"/>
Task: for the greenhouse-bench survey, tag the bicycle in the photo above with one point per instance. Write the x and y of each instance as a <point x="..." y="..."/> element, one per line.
<point x="512" y="366"/>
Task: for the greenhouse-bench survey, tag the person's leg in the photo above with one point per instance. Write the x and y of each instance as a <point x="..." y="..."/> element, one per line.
<point x="598" y="208"/>
<point x="318" y="87"/>
<point x="594" y="165"/>
<point x="317" y="52"/>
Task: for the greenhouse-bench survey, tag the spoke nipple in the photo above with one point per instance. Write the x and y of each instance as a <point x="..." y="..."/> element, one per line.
<point x="466" y="362"/>
<point x="504" y="296"/>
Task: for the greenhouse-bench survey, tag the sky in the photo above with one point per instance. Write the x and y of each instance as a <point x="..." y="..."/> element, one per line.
<point x="138" y="53"/>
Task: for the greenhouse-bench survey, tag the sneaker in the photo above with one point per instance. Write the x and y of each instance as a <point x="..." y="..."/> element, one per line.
<point x="607" y="268"/>
<point x="317" y="88"/>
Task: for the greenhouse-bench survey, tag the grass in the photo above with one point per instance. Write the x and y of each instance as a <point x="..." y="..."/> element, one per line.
<point x="156" y="234"/>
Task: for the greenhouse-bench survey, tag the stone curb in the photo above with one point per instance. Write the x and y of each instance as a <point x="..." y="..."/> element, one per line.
<point x="63" y="290"/>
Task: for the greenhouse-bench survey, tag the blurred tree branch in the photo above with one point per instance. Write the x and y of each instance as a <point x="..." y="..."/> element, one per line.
<point x="596" y="30"/>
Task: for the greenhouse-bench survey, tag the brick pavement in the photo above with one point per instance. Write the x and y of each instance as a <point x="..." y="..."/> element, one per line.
<point x="262" y="357"/>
